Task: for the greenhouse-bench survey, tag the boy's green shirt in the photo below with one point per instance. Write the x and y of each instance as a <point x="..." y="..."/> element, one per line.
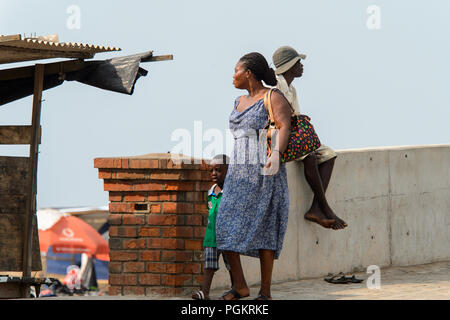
<point x="212" y="203"/>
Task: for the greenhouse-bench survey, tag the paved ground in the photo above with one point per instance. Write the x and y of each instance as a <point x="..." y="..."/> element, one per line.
<point x="428" y="281"/>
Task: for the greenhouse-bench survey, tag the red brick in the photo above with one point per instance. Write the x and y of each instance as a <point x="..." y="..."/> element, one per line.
<point x="103" y="174"/>
<point x="150" y="255"/>
<point x="174" y="268"/>
<point x="132" y="267"/>
<point x="165" y="176"/>
<point x="125" y="164"/>
<point x="122" y="279"/>
<point x="150" y="279"/>
<point x="120" y="207"/>
<point x="164" y="291"/>
<point x="155" y="208"/>
<point x="111" y="185"/>
<point x="133" y="219"/>
<point x="115" y="255"/>
<point x="143" y="163"/>
<point x="192" y="268"/>
<point x="115" y="290"/>
<point x="156" y="243"/>
<point x="176" y="256"/>
<point x="178" y="207"/>
<point x="132" y="175"/>
<point x="199" y="232"/>
<point x="176" y="280"/>
<point x="153" y="197"/>
<point x="200" y="208"/>
<point x="193" y="244"/>
<point x="162" y="220"/>
<point x="149" y="232"/>
<point x="177" y="232"/>
<point x="115" y="267"/>
<point x="113" y="196"/>
<point x="156" y="267"/>
<point x="107" y="163"/>
<point x="134" y="244"/>
<point x="135" y="197"/>
<point x="115" y="219"/>
<point x="194" y="220"/>
<point x="194" y="196"/>
<point x="180" y="185"/>
<point x="147" y="186"/>
<point x="123" y="232"/>
<point x="134" y="290"/>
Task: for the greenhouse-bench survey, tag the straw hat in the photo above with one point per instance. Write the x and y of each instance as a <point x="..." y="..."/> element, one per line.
<point x="284" y="58"/>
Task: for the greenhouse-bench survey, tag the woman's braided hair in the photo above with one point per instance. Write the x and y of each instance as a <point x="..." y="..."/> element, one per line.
<point x="257" y="64"/>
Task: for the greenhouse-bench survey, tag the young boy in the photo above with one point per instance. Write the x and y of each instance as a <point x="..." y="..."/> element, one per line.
<point x="219" y="167"/>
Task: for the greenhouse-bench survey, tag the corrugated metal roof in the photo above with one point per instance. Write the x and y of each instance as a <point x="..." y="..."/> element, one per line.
<point x="15" y="49"/>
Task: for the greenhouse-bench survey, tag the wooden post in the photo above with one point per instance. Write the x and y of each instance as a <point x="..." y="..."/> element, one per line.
<point x="30" y="212"/>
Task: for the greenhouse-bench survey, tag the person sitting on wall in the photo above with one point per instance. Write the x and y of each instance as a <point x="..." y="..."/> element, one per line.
<point x="318" y="164"/>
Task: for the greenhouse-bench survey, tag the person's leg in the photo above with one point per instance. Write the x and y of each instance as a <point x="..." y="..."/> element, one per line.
<point x="317" y="212"/>
<point x="325" y="172"/>
<point x="266" y="258"/>
<point x="206" y="284"/>
<point x="239" y="283"/>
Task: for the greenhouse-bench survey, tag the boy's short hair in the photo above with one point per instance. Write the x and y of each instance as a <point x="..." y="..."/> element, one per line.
<point x="221" y="159"/>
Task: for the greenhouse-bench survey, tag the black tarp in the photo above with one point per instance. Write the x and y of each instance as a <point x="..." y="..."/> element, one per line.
<point x="117" y="74"/>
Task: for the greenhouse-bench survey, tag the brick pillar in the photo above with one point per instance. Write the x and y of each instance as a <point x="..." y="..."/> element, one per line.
<point x="157" y="216"/>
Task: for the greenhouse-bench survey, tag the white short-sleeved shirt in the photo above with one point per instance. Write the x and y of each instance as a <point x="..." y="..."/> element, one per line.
<point x="289" y="92"/>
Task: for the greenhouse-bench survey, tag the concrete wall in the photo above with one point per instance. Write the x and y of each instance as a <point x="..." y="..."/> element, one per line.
<point x="396" y="201"/>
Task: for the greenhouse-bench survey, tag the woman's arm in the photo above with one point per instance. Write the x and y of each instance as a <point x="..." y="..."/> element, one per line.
<point x="282" y="116"/>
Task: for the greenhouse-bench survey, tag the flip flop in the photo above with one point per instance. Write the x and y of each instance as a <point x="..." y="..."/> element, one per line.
<point x="236" y="295"/>
<point x="199" y="295"/>
<point x="262" y="297"/>
<point x="335" y="279"/>
<point x="353" y="279"/>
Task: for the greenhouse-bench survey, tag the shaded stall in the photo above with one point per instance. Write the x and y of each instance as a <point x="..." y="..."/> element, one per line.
<point x="19" y="243"/>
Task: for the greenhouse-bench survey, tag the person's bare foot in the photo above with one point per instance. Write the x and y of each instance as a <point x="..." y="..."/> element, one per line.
<point x="234" y="294"/>
<point x="318" y="217"/>
<point x="339" y="223"/>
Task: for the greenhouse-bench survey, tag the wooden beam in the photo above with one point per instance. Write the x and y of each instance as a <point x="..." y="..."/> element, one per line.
<point x="17" y="135"/>
<point x="30" y="213"/>
<point x="158" y="58"/>
<point x="13" y="37"/>
<point x="50" y="68"/>
<point x="17" y="54"/>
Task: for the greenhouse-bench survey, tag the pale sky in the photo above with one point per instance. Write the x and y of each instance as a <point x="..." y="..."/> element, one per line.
<point x="362" y="86"/>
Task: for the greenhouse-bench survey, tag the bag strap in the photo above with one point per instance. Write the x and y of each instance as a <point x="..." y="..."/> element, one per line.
<point x="267" y="102"/>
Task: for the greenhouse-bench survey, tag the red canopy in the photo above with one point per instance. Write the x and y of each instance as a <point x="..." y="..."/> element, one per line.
<point x="72" y="235"/>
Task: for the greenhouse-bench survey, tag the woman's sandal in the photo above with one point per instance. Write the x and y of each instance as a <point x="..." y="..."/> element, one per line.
<point x="262" y="297"/>
<point x="199" y="295"/>
<point x="236" y="295"/>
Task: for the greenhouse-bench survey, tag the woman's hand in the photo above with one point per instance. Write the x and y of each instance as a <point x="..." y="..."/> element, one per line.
<point x="272" y="164"/>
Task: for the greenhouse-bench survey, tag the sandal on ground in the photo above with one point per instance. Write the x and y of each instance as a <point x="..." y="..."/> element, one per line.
<point x="262" y="297"/>
<point x="353" y="279"/>
<point x="236" y="295"/>
<point x="335" y="279"/>
<point x="199" y="295"/>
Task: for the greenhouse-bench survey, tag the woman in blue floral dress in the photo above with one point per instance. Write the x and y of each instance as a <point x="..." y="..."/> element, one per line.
<point x="253" y="212"/>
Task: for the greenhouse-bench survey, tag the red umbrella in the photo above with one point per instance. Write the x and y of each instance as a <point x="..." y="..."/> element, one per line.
<point x="72" y="235"/>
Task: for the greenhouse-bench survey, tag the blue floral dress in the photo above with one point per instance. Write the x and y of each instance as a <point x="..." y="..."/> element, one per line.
<point x="254" y="209"/>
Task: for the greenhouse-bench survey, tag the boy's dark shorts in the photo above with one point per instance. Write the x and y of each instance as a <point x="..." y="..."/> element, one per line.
<point x="211" y="255"/>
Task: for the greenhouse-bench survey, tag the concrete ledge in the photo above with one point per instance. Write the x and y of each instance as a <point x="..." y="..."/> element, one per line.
<point x="396" y="201"/>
